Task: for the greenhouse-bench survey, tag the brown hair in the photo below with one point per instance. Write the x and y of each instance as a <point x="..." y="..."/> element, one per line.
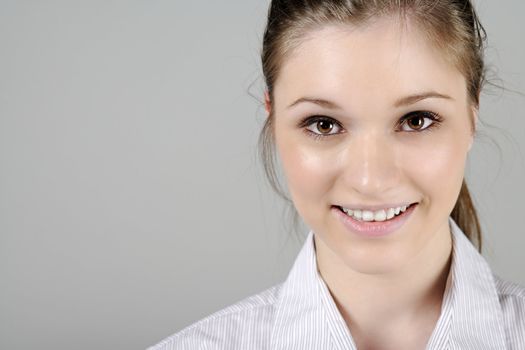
<point x="451" y="25"/>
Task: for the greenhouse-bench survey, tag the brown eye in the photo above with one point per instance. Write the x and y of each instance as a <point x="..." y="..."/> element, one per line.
<point x="325" y="126"/>
<point x="418" y="121"/>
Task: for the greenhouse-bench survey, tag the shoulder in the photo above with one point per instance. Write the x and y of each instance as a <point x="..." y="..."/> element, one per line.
<point x="510" y="289"/>
<point x="242" y="325"/>
<point x="511" y="295"/>
<point x="512" y="300"/>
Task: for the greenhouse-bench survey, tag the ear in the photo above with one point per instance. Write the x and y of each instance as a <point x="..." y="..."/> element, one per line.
<point x="475" y="111"/>
<point x="267" y="103"/>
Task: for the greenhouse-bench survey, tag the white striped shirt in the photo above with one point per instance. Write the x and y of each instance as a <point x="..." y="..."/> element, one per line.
<point x="479" y="311"/>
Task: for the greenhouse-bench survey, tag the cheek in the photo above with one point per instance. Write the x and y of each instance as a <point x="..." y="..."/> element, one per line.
<point x="309" y="171"/>
<point x="437" y="168"/>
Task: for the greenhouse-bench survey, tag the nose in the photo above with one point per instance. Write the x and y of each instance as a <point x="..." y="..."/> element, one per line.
<point x="372" y="165"/>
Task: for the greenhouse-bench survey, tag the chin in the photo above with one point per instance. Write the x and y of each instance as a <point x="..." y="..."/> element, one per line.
<point x="374" y="256"/>
<point x="375" y="262"/>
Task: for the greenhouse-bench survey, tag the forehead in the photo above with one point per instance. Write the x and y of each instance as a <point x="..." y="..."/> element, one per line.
<point x="380" y="61"/>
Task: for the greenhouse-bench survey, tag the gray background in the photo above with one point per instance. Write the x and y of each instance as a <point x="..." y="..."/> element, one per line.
<point x="131" y="199"/>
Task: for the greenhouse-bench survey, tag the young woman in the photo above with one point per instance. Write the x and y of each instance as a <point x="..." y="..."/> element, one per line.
<point x="372" y="108"/>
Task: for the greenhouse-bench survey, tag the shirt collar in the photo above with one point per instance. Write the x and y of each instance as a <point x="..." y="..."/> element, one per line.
<point x="471" y="316"/>
<point x="306" y="314"/>
<point x="476" y="320"/>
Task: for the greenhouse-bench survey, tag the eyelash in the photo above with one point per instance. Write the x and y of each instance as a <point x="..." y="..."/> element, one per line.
<point x="308" y="121"/>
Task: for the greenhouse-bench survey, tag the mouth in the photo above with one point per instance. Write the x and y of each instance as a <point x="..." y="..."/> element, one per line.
<point x="380" y="215"/>
<point x="364" y="223"/>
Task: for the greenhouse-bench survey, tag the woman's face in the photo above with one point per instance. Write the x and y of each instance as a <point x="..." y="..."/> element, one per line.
<point x="372" y="118"/>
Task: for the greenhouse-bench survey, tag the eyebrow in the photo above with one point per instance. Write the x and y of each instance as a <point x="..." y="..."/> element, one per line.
<point x="404" y="101"/>
<point x="409" y="100"/>
<point x="317" y="101"/>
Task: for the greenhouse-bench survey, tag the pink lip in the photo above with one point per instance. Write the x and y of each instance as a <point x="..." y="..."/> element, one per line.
<point x="371" y="228"/>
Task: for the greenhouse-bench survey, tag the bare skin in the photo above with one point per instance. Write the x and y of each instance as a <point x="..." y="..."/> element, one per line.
<point x="389" y="290"/>
<point x="390" y="312"/>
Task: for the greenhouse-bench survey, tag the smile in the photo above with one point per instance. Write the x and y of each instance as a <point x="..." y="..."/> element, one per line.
<point x="374" y="223"/>
<point x="377" y="215"/>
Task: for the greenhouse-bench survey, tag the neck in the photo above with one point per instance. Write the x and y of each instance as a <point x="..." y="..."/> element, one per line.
<point x="406" y="296"/>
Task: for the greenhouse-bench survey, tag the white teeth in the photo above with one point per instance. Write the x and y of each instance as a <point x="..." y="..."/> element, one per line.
<point x="368" y="215"/>
<point x="379" y="215"/>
